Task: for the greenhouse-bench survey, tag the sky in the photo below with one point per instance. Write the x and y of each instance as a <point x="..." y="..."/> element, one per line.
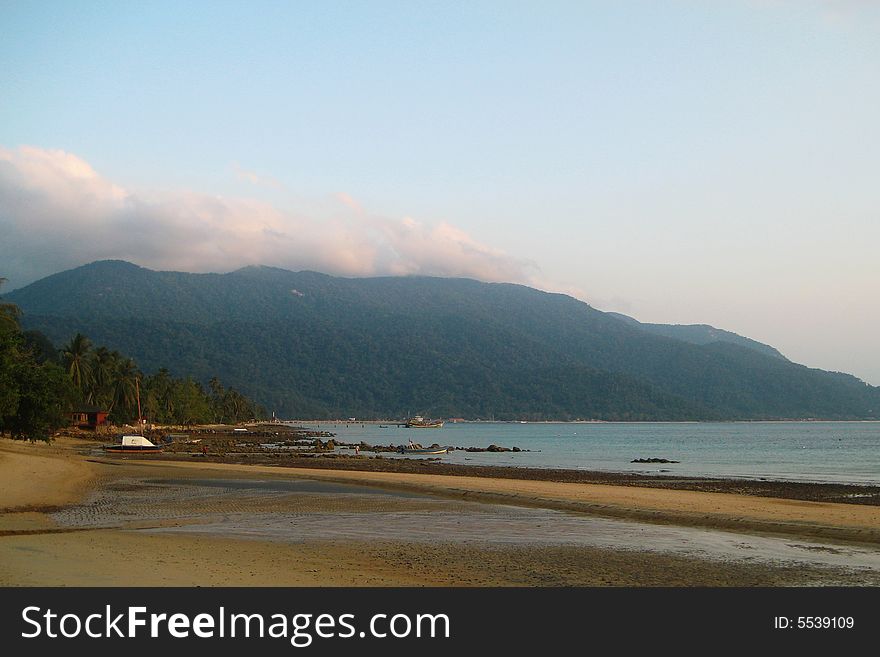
<point x="679" y="161"/>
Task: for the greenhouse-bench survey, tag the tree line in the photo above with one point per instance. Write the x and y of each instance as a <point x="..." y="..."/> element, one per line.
<point x="40" y="385"/>
<point x="33" y="394"/>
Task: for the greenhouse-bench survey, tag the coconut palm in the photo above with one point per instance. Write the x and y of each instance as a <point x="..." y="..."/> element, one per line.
<point x="76" y="359"/>
<point x="158" y="396"/>
<point x="103" y="364"/>
<point x="126" y="381"/>
<point x="167" y="400"/>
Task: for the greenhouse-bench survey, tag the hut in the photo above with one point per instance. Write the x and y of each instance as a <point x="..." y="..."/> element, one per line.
<point x="88" y="417"/>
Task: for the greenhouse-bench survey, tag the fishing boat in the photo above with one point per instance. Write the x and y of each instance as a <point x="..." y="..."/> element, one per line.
<point x="422" y="450"/>
<point x="418" y="422"/>
<point x="134" y="444"/>
<point x="415" y="448"/>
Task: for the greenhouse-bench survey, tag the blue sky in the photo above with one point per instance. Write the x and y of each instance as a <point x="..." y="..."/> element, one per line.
<point x="683" y="162"/>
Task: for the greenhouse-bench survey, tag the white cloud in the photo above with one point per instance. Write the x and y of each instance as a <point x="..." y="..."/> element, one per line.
<point x="57" y="212"/>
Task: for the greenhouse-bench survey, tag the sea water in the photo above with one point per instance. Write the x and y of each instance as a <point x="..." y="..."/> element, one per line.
<point x="842" y="452"/>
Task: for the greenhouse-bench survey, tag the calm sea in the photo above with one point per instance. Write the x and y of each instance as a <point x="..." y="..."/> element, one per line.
<point x="846" y="452"/>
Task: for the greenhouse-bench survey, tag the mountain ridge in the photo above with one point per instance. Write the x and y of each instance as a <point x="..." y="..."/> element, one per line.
<point x="699" y="334"/>
<point x="306" y="343"/>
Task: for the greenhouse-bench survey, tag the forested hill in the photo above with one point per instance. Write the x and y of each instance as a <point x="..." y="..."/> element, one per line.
<point x="699" y="334"/>
<point x="308" y="344"/>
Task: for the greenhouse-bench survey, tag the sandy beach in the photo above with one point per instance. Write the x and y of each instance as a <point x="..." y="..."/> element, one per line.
<point x="68" y="517"/>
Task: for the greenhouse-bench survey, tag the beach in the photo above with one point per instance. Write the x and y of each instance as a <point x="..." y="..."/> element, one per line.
<point x="77" y="518"/>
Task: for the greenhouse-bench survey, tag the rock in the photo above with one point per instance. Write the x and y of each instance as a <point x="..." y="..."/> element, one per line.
<point x="653" y="460"/>
<point x="491" y="448"/>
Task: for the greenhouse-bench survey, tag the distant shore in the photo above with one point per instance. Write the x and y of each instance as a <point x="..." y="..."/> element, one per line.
<point x="756" y="421"/>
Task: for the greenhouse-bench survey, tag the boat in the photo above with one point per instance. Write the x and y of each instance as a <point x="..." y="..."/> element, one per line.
<point x="134" y="444"/>
<point x="418" y="422"/>
<point x="413" y="448"/>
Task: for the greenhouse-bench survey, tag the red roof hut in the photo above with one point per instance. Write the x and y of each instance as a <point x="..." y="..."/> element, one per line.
<point x="88" y="417"/>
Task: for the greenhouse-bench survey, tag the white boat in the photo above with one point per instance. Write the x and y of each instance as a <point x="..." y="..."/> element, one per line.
<point x="135" y="444"/>
<point x="413" y="448"/>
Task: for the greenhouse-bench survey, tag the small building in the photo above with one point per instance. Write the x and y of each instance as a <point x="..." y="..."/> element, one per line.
<point x="88" y="417"/>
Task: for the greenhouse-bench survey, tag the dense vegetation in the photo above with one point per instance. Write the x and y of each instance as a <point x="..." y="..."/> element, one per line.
<point x="33" y="393"/>
<point x="114" y="383"/>
<point x="310" y="345"/>
<point x="40" y="384"/>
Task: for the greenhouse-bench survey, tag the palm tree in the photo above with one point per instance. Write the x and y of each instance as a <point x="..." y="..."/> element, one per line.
<point x="166" y="386"/>
<point x="236" y="405"/>
<point x="127" y="378"/>
<point x="76" y="358"/>
<point x="158" y="393"/>
<point x="103" y="364"/>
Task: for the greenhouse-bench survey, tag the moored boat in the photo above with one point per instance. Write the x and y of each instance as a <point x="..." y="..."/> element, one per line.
<point x="418" y="422"/>
<point x="134" y="444"/>
<point x="418" y="449"/>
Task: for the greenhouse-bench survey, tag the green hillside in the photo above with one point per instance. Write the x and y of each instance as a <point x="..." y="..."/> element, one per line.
<point x="307" y="344"/>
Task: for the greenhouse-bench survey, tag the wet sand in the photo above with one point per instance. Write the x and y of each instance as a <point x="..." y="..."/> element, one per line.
<point x="104" y="558"/>
<point x="226" y="524"/>
<point x="791" y="490"/>
<point x="736" y="512"/>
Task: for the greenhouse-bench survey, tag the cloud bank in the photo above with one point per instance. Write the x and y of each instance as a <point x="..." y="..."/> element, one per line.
<point x="57" y="212"/>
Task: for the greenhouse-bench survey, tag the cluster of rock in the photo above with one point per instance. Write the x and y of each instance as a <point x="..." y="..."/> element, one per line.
<point x="653" y="460"/>
<point x="366" y="447"/>
<point x="252" y="439"/>
<point x="490" y="448"/>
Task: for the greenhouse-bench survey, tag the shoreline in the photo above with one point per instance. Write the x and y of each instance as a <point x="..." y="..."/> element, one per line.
<point x="860" y="494"/>
<point x="789" y="421"/>
<point x="848" y="523"/>
<point x="37" y="549"/>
